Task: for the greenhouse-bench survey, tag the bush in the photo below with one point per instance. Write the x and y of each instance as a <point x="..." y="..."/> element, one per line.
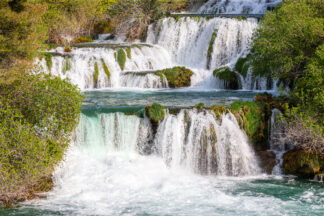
<point x="37" y="115"/>
<point x="228" y="76"/>
<point x="177" y="76"/>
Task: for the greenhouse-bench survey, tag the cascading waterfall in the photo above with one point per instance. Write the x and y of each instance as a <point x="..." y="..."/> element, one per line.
<point x="198" y="141"/>
<point x="194" y="140"/>
<point x="237" y="6"/>
<point x="81" y="66"/>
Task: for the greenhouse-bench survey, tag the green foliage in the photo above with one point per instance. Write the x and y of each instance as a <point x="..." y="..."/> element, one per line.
<point x="96" y="75"/>
<point x="242" y="65"/>
<point x="37" y="115"/>
<point x="200" y="106"/>
<point x="121" y="58"/>
<point x="253" y="118"/>
<point x="287" y="38"/>
<point x="228" y="76"/>
<point x="107" y="72"/>
<point x="211" y="47"/>
<point x="218" y="110"/>
<point x="177" y="76"/>
<point x="155" y="112"/>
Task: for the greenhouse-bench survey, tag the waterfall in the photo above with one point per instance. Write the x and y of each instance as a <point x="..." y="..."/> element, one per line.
<point x="82" y="63"/>
<point x="237" y="6"/>
<point x="194" y="140"/>
<point x="188" y="39"/>
<point x="197" y="141"/>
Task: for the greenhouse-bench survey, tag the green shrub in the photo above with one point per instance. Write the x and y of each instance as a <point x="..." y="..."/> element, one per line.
<point x="177" y="76"/>
<point x="228" y="76"/>
<point x="82" y="39"/>
<point x="105" y="67"/>
<point x="121" y="58"/>
<point x="155" y="112"/>
<point x="95" y="74"/>
<point x="37" y="115"/>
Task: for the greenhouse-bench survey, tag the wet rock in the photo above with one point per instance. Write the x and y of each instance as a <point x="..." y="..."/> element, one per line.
<point x="267" y="160"/>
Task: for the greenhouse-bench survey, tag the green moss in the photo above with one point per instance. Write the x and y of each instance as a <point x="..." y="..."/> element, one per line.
<point x="96" y="74"/>
<point x="83" y="39"/>
<point x="155" y="112"/>
<point x="218" y="110"/>
<point x="200" y="106"/>
<point x="242" y="65"/>
<point x="211" y="47"/>
<point x="48" y="59"/>
<point x="66" y="65"/>
<point x="240" y="18"/>
<point x="302" y="163"/>
<point x="253" y="118"/>
<point x="129" y="52"/>
<point x="107" y="72"/>
<point x="228" y="76"/>
<point x="121" y="58"/>
<point x="177" y="76"/>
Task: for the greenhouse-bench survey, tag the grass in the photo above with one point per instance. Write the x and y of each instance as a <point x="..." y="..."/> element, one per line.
<point x="177" y="76"/>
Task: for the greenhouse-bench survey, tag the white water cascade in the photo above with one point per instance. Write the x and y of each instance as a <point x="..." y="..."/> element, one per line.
<point x="237" y="6"/>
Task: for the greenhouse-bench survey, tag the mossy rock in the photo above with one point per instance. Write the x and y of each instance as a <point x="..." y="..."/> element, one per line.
<point x="155" y="112"/>
<point x="218" y="110"/>
<point x="267" y="161"/>
<point x="211" y="47"/>
<point x="242" y="65"/>
<point x="200" y="106"/>
<point x="228" y="76"/>
<point x="302" y="163"/>
<point x="82" y="39"/>
<point x="253" y="118"/>
<point x="96" y="75"/>
<point x="121" y="58"/>
<point x="105" y="67"/>
<point x="177" y="76"/>
<point x="103" y="27"/>
<point x="67" y="49"/>
<point x="129" y="52"/>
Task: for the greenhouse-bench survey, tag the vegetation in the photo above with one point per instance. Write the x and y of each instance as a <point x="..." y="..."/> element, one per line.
<point x="242" y="65"/>
<point x="66" y="65"/>
<point x="177" y="76"/>
<point x="200" y="106"/>
<point x="121" y="58"/>
<point x="211" y="48"/>
<point x="67" y="49"/>
<point x="105" y="67"/>
<point x="155" y="112"/>
<point x="228" y="76"/>
<point x="289" y="46"/>
<point x="83" y="39"/>
<point x="38" y="112"/>
<point x="218" y="110"/>
<point x="253" y="118"/>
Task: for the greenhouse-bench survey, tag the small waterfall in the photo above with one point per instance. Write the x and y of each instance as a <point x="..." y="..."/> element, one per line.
<point x="197" y="141"/>
<point x="82" y="63"/>
<point x="113" y="132"/>
<point x="143" y="81"/>
<point x="237" y="6"/>
<point x="277" y="144"/>
<point x="188" y="40"/>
